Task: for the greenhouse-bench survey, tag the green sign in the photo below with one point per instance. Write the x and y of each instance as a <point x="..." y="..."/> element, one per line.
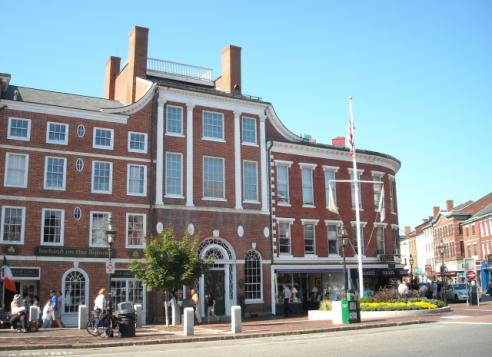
<point x="72" y="252"/>
<point x="122" y="274"/>
<point x="25" y="273"/>
<point x="11" y="249"/>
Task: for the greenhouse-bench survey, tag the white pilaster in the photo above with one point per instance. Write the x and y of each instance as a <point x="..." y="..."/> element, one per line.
<point x="263" y="166"/>
<point x="189" y="155"/>
<point x="159" y="166"/>
<point x="237" y="159"/>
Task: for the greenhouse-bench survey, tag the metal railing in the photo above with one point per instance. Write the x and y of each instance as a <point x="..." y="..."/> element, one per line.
<point x="179" y="69"/>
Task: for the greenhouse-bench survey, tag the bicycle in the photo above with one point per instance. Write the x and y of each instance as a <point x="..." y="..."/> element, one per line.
<point x="108" y="325"/>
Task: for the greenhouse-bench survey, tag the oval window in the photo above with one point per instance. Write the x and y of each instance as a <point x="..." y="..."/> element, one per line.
<point x="77" y="213"/>
<point x="79" y="165"/>
<point x="81" y="131"/>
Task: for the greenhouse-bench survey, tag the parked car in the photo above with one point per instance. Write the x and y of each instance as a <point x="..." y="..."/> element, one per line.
<point x="457" y="292"/>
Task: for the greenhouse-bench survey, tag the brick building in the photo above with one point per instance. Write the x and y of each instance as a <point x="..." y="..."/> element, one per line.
<point x="169" y="146"/>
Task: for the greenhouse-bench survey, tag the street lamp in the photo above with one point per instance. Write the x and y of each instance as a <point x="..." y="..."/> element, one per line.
<point x="441" y="248"/>
<point x="411" y="268"/>
<point x="342" y="233"/>
<point x="111" y="234"/>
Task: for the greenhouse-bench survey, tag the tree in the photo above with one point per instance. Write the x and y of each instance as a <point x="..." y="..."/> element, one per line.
<point x="169" y="262"/>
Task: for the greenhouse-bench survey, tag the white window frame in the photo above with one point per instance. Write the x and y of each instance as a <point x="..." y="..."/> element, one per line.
<point x="144" y="220"/>
<point x="144" y="151"/>
<point x="45" y="184"/>
<point x="13" y="137"/>
<point x="91" y="214"/>
<point x="95" y="146"/>
<point x="48" y="141"/>
<point x="314" y="222"/>
<point x="244" y="142"/>
<point x="352" y="189"/>
<point x="144" y="193"/>
<point x="256" y="200"/>
<point x="259" y="300"/>
<point x="207" y="198"/>
<point x="378" y="176"/>
<point x="174" y="195"/>
<point x="211" y="138"/>
<point x="392" y="191"/>
<point x="334" y="170"/>
<point x="172" y="133"/>
<point x="23" y="226"/>
<point x="62" y="228"/>
<point x="353" y="225"/>
<point x="381" y="226"/>
<point x="110" y="177"/>
<point x="337" y="224"/>
<point x="288" y="221"/>
<point x="26" y="169"/>
<point x="287" y="165"/>
<point x="311" y="167"/>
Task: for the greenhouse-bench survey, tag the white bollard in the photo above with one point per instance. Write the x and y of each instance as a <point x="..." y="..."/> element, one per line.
<point x="33" y="313"/>
<point x="176" y="314"/>
<point x="139" y="311"/>
<point x="83" y="316"/>
<point x="189" y="321"/>
<point x="236" y="319"/>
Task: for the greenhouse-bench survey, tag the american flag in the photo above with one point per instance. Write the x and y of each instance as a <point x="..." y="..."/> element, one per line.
<point x="351" y="131"/>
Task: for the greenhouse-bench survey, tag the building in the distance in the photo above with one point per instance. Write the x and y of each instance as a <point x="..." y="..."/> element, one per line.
<point x="171" y="145"/>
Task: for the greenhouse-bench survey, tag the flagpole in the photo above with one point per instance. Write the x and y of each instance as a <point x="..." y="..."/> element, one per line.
<point x="3" y="291"/>
<point x="357" y="213"/>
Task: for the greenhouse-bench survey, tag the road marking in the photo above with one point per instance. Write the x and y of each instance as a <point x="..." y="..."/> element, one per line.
<point x="465" y="323"/>
<point x="455" y="317"/>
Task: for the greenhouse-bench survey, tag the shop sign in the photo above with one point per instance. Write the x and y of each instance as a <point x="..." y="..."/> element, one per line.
<point x="387" y="258"/>
<point x="122" y="274"/>
<point x="20" y="273"/>
<point x="135" y="253"/>
<point x="72" y="252"/>
<point x="388" y="272"/>
<point x="11" y="249"/>
<point x="369" y="272"/>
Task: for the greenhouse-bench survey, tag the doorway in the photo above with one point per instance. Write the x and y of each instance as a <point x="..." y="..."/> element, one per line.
<point x="215" y="284"/>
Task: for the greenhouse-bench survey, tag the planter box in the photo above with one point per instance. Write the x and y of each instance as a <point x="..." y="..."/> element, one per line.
<point x="319" y="315"/>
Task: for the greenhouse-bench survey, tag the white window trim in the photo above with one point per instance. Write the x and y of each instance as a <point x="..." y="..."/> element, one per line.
<point x="128" y="181"/>
<point x="330" y="222"/>
<point x="62" y="231"/>
<point x="144" y="230"/>
<point x="170" y="133"/>
<point x="282" y="163"/>
<point x="144" y="151"/>
<point x="308" y="166"/>
<point x="260" y="300"/>
<point x="220" y="140"/>
<point x="248" y="143"/>
<point x="91" y="213"/>
<point x="257" y="184"/>
<point x="353" y="225"/>
<point x="392" y="192"/>
<point x="102" y="146"/>
<point x="314" y="222"/>
<point x="23" y="227"/>
<point x="286" y="164"/>
<point x="290" y="221"/>
<point x="64" y="142"/>
<point x="309" y="221"/>
<point x="360" y="172"/>
<point x="28" y="138"/>
<point x="333" y="169"/>
<point x="173" y="195"/>
<point x="207" y="198"/>
<point x="110" y="177"/>
<point x="63" y="188"/>
<point x="26" y="169"/>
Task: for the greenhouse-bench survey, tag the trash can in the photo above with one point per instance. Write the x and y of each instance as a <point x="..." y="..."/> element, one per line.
<point x="126" y="319"/>
<point x="474" y="295"/>
<point x="350" y="312"/>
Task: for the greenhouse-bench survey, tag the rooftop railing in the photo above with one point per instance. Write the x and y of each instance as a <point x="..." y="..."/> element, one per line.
<point x="180" y="71"/>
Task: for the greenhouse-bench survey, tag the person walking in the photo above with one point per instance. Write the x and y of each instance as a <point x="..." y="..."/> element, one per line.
<point x="287" y="295"/>
<point x="196" y="300"/>
<point x="48" y="314"/>
<point x="100" y="305"/>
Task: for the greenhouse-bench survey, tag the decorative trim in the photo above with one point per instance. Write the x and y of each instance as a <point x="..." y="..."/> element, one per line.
<point x="309" y="221"/>
<point x="208" y="209"/>
<point x="139" y="104"/>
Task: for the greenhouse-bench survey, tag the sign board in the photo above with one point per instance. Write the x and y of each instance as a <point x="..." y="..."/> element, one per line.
<point x="469" y="264"/>
<point x="110" y="267"/>
<point x="470" y="275"/>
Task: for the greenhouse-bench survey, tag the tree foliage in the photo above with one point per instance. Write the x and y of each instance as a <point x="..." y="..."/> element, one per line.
<point x="169" y="262"/>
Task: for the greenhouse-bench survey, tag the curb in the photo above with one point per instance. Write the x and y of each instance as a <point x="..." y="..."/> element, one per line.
<point x="213" y="338"/>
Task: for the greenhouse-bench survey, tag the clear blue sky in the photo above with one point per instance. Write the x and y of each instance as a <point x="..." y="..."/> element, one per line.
<point x="420" y="71"/>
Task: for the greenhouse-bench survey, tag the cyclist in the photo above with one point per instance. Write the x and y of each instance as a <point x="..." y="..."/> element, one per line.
<point x="100" y="305"/>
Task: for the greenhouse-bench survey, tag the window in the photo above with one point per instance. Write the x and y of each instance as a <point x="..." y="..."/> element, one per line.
<point x="174" y="120"/>
<point x="283" y="183"/>
<point x="77" y="213"/>
<point x="136" y="180"/>
<point x="103" y="138"/>
<point x="307" y="186"/>
<point x="99" y="224"/>
<point x="378" y="191"/>
<point x="174" y="175"/>
<point x="354" y="241"/>
<point x="475" y="250"/>
<point x="137" y="142"/>
<point x="54" y="173"/>
<point x="353" y="186"/>
<point x="309" y="247"/>
<point x="52" y="226"/>
<point x="13" y="224"/>
<point x="19" y="129"/>
<point x="392" y="194"/>
<point x="81" y="130"/>
<point x="213" y="126"/>
<point x="135" y="230"/>
<point x="396" y="242"/>
<point x="57" y="133"/>
<point x="127" y="290"/>
<point x="252" y="276"/>
<point x="74" y="291"/>
<point x="250" y="181"/>
<point x="213" y="177"/>
<point x="79" y="165"/>
<point x="284" y="235"/>
<point x="473" y="229"/>
<point x="102" y="173"/>
<point x="16" y="170"/>
<point x="330" y="182"/>
<point x="468" y="250"/>
<point x="332" y="238"/>
<point x="380" y="240"/>
<point x="249" y="130"/>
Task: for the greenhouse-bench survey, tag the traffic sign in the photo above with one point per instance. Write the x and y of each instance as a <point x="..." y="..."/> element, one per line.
<point x="110" y="267"/>
<point x="470" y="275"/>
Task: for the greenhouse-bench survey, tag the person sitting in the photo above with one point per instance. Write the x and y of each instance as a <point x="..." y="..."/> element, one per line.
<point x="18" y="314"/>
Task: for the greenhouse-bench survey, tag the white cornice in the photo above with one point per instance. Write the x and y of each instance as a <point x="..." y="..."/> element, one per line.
<point x="139" y="104"/>
<point x="281" y="128"/>
<point x="332" y="154"/>
<point x="72" y="201"/>
<point x="65" y="111"/>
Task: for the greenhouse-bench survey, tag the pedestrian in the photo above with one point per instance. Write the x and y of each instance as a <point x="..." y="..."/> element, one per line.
<point x="287" y="295"/>
<point x="172" y="307"/>
<point x="100" y="304"/>
<point x="434" y="289"/>
<point x="402" y="288"/>
<point x="18" y="314"/>
<point x="211" y="307"/>
<point x="58" y="308"/>
<point x="48" y="314"/>
<point x="196" y="300"/>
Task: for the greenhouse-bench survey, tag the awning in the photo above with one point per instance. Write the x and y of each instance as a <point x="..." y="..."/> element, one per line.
<point x="382" y="272"/>
<point x="307" y="271"/>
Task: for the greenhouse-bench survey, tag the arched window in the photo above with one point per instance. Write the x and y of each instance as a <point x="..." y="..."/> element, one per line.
<point x="252" y="276"/>
<point x="74" y="291"/>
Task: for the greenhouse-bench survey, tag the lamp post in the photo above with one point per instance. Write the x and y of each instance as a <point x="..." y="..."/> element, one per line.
<point x="410" y="260"/>
<point x="342" y="233"/>
<point x="441" y="248"/>
<point x="111" y="234"/>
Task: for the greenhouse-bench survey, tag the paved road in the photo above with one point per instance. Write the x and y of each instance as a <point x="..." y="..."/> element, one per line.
<point x="445" y="338"/>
